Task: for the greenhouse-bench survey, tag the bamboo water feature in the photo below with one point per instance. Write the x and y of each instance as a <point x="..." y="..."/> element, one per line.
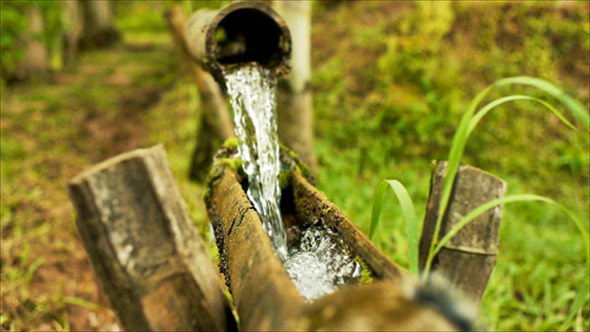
<point x="152" y="266"/>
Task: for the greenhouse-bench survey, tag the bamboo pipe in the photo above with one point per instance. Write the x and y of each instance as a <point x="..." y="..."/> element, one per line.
<point x="241" y="32"/>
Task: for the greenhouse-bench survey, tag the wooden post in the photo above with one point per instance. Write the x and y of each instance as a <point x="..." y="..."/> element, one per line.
<point x="98" y="30"/>
<point x="216" y="124"/>
<point x="145" y="251"/>
<point x="468" y="259"/>
<point x="294" y="95"/>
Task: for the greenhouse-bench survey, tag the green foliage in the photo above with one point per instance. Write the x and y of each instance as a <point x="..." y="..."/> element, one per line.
<point x="382" y="104"/>
<point x="408" y="210"/>
<point x="50" y="132"/>
<point x="141" y="16"/>
<point x="12" y="22"/>
<point x="375" y="114"/>
<point x="469" y="121"/>
<point x="53" y="28"/>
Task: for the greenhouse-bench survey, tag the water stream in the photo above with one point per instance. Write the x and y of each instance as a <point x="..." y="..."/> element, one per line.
<point x="318" y="261"/>
<point x="252" y="95"/>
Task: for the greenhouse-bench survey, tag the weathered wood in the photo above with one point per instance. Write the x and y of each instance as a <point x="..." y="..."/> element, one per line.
<point x="468" y="259"/>
<point x="294" y="93"/>
<point x="73" y="26"/>
<point x="379" y="306"/>
<point x="264" y="295"/>
<point x="98" y="30"/>
<point x="215" y="125"/>
<point x="145" y="251"/>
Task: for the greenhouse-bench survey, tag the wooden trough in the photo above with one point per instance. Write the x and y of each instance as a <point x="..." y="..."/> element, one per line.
<point x="153" y="268"/>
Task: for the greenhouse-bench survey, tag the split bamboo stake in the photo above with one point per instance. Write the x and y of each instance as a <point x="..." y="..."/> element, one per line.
<point x="147" y="255"/>
<point x="468" y="259"/>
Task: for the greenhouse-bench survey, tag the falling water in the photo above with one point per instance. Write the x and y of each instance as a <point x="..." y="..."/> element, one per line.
<point x="319" y="261"/>
<point x="252" y="95"/>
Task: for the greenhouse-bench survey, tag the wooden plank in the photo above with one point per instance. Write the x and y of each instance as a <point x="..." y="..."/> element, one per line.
<point x="468" y="259"/>
<point x="263" y="294"/>
<point x="147" y="255"/>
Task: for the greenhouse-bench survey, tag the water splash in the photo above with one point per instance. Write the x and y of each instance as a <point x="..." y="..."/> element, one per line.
<point x="252" y="95"/>
<point x="319" y="262"/>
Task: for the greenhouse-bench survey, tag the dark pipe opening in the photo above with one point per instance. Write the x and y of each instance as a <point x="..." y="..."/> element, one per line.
<point x="248" y="35"/>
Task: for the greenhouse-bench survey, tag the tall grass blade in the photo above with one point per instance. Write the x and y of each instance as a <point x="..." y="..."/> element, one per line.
<point x="455" y="155"/>
<point x="32" y="269"/>
<point x="377" y="207"/>
<point x="408" y="211"/>
<point x="514" y="198"/>
<point x="475" y="120"/>
<point x="579" y="300"/>
<point x="572" y="104"/>
<point x="86" y="304"/>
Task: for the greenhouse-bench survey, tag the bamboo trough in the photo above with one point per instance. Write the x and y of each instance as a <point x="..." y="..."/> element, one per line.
<point x="151" y="264"/>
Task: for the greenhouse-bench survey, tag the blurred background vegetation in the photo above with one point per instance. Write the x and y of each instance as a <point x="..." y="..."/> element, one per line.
<point x="391" y="81"/>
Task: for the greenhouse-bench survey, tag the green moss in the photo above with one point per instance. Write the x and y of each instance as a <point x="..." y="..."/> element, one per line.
<point x="216" y="172"/>
<point x="299" y="165"/>
<point x="367" y="276"/>
<point x="303" y="169"/>
<point x="284" y="178"/>
<point x="231" y="142"/>
<point x="234" y="163"/>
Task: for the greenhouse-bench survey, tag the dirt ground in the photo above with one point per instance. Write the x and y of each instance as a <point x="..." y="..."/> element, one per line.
<point x="53" y="129"/>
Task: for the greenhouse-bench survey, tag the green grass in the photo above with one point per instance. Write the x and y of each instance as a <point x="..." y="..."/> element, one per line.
<point x="49" y="133"/>
<point x="386" y="108"/>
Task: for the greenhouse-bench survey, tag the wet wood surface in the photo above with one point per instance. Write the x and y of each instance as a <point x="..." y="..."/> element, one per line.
<point x="262" y="291"/>
<point x="146" y="253"/>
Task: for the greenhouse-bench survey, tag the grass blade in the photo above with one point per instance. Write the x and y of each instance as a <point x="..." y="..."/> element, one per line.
<point x="86" y="304"/>
<point x="475" y="120"/>
<point x="508" y="199"/>
<point x="455" y="155"/>
<point x="572" y="104"/>
<point x="579" y="300"/>
<point x="377" y="206"/>
<point x="408" y="211"/>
